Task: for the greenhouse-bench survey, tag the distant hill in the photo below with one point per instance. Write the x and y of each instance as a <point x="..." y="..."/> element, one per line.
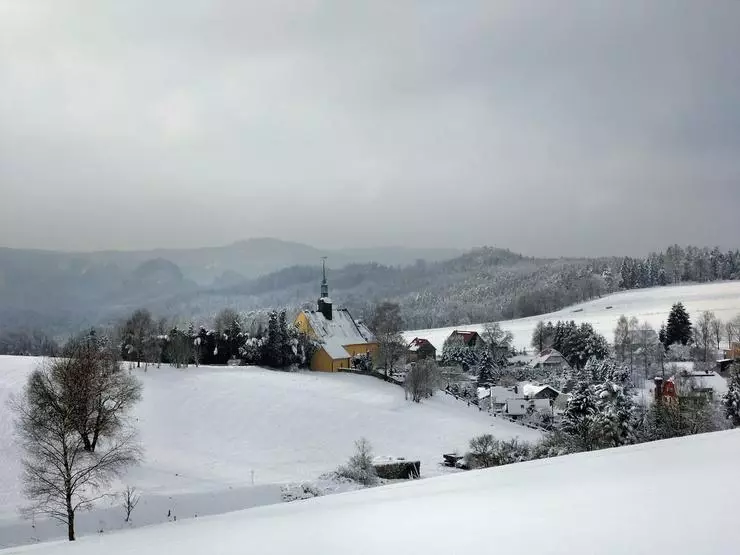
<point x="482" y="285"/>
<point x="61" y="291"/>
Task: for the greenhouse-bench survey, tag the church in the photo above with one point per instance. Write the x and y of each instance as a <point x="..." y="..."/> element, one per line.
<point x="341" y="336"/>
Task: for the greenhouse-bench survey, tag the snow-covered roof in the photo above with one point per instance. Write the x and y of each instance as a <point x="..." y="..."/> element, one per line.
<point x="547" y="355"/>
<point x="334" y="349"/>
<point x="342" y="327"/>
<point x="417" y="343"/>
<point x="530" y="389"/>
<point x="710" y="380"/>
<point x="341" y="330"/>
<point x="525" y="359"/>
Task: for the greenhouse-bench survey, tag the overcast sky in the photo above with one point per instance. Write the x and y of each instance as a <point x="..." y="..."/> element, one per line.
<point x="548" y="127"/>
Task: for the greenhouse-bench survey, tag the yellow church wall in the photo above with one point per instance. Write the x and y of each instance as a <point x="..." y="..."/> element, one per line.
<point x="301" y="321"/>
<point x="322" y="362"/>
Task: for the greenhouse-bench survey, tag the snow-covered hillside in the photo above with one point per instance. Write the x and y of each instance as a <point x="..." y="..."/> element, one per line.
<point x="650" y="498"/>
<point x="206" y="430"/>
<point x="651" y="305"/>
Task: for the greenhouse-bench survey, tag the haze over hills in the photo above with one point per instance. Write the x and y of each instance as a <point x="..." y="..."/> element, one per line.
<point x="64" y="291"/>
<point x="60" y="293"/>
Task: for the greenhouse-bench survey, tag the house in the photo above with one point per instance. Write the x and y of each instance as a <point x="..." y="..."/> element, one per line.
<point x="494" y="398"/>
<point x="552" y="359"/>
<point x="420" y="349"/>
<point x="733" y="352"/>
<point x="533" y="391"/>
<point x="341" y="337"/>
<point x="709" y="383"/>
<point x="468" y="338"/>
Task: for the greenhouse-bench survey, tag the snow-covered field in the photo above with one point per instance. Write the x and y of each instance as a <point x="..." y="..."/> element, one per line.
<point x="208" y="432"/>
<point x="651" y="305"/>
<point x="676" y="496"/>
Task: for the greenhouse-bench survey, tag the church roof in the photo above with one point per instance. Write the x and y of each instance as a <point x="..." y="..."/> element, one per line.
<point x="341" y="330"/>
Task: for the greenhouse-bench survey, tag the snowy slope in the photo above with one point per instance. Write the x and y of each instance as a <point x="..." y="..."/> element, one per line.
<point x="675" y="496"/>
<point x="651" y="305"/>
<point x="206" y="430"/>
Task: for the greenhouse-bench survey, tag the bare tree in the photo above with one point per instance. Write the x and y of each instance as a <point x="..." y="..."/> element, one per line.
<point x="625" y="337"/>
<point x="422" y="380"/>
<point x="129" y="499"/>
<point x="717" y="326"/>
<point x="386" y="323"/>
<point x="731" y="332"/>
<point x="498" y="341"/>
<point x="62" y="476"/>
<point x="703" y="334"/>
<point x="96" y="387"/>
<point x="541" y="337"/>
<point x="648" y="345"/>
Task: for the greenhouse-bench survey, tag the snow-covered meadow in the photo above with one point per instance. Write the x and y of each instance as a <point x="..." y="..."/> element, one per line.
<point x="650" y="305"/>
<point x="221" y="439"/>
<point x="675" y="496"/>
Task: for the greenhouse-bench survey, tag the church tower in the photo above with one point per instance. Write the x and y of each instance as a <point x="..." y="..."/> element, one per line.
<point x="325" y="306"/>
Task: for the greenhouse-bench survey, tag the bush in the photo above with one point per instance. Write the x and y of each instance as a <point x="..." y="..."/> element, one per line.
<point x="298" y="492"/>
<point x="487" y="452"/>
<point x="422" y="380"/>
<point x="360" y="467"/>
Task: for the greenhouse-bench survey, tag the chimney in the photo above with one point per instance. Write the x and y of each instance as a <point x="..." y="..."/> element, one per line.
<point x="658" y="388"/>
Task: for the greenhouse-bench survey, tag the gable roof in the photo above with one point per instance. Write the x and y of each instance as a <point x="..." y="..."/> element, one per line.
<point x="418" y="343"/>
<point x="546" y="355"/>
<point x="335" y="349"/>
<point x="341" y="330"/>
<point x="531" y="390"/>
<point x="467" y="336"/>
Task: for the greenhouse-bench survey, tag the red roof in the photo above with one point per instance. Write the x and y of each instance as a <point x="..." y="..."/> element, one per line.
<point x="419" y="342"/>
<point x="467" y="336"/>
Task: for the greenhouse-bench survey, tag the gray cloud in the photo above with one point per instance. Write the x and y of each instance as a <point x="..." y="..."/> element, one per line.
<point x="546" y="127"/>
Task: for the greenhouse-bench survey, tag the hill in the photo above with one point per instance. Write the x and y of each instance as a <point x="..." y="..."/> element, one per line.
<point x="650" y="305"/>
<point x="61" y="292"/>
<point x="206" y="430"/>
<point x="483" y="284"/>
<point x="649" y="498"/>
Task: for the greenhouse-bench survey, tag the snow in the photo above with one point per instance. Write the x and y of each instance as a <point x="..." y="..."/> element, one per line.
<point x="205" y="430"/>
<point x="334" y="348"/>
<point x="341" y="327"/>
<point x="651" y="305"/>
<point x="644" y="499"/>
<point x="530" y="390"/>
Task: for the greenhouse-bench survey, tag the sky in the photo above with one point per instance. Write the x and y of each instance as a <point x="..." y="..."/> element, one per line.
<point x="548" y="127"/>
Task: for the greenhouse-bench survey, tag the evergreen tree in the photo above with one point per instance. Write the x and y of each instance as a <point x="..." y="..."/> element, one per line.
<point x="271" y="344"/>
<point x="486" y="370"/>
<point x="663" y="336"/>
<point x="731" y="399"/>
<point x="679" y="326"/>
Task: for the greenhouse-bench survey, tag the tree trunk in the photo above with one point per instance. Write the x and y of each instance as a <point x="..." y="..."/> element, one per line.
<point x="70" y="519"/>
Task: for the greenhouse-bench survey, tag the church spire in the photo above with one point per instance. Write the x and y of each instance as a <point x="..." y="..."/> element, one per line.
<point x="324" y="283"/>
<point x="324" y="301"/>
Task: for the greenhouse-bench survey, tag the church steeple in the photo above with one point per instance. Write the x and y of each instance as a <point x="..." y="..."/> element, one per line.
<point x="324" y="283"/>
<point x="324" y="301"/>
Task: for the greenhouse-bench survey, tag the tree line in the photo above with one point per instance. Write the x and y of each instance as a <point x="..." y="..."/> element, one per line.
<point x="275" y="343"/>
<point x="678" y="265"/>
